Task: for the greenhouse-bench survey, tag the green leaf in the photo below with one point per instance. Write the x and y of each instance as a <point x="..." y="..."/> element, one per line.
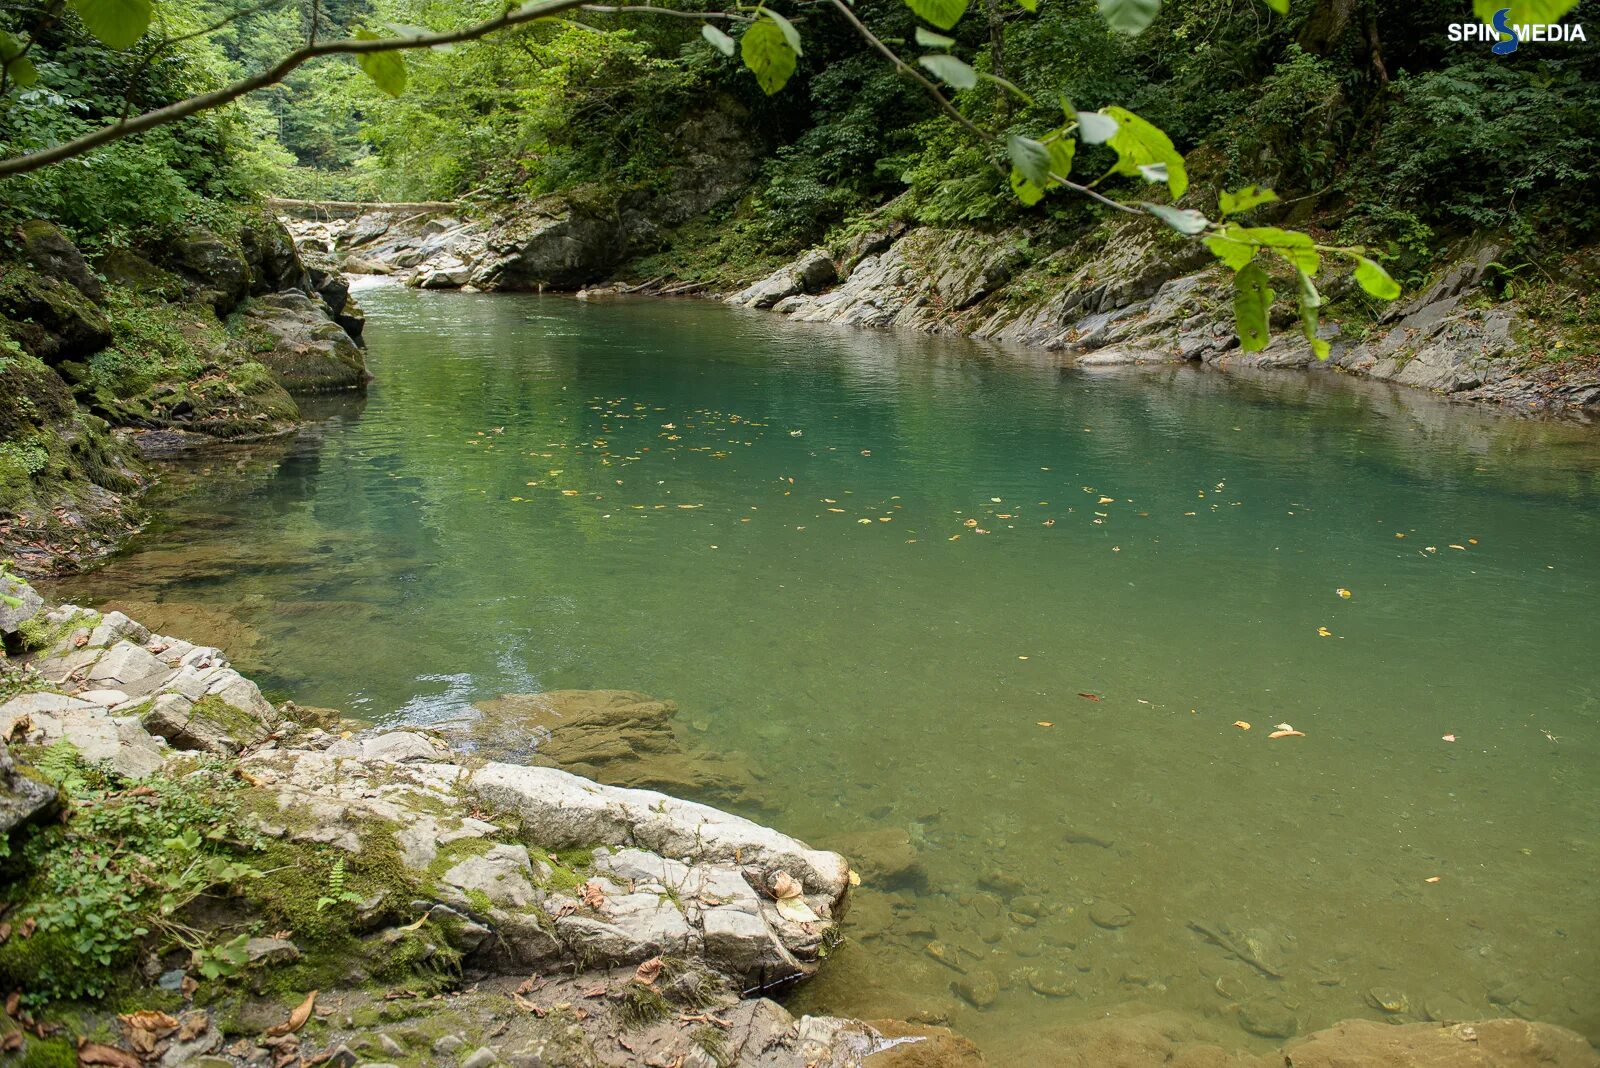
<point x="1025" y="190"/>
<point x="116" y="23"/>
<point x="21" y="72"/>
<point x="1236" y="254"/>
<point x="1186" y="221"/>
<point x="1129" y="16"/>
<point x="791" y="35"/>
<point x="717" y="39"/>
<point x="1095" y="128"/>
<point x="1524" y="12"/>
<point x="766" y="52"/>
<point x="942" y="13"/>
<point x="1028" y="5"/>
<point x="1031" y="158"/>
<point x="1375" y="280"/>
<point x="928" y="39"/>
<point x="1252" y="307"/>
<point x="1251" y="196"/>
<point x="1310" y="301"/>
<point x="1061" y="151"/>
<point x="1297" y="248"/>
<point x="1140" y="144"/>
<point x="951" y="71"/>
<point x="386" y="69"/>
<point x="1280" y="6"/>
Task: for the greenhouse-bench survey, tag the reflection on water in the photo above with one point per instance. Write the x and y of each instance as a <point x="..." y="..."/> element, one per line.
<point x="989" y="625"/>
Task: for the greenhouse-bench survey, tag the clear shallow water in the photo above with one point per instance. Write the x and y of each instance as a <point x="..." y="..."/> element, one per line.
<point x="544" y="494"/>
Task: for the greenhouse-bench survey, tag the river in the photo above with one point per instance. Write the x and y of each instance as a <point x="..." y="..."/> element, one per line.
<point x="1004" y="619"/>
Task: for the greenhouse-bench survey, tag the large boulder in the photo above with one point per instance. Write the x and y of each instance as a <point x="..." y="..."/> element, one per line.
<point x="217" y="269"/>
<point x="812" y="272"/>
<point x="50" y="318"/>
<point x="294" y="337"/>
<point x="269" y="252"/>
<point x="48" y="249"/>
<point x="558" y="242"/>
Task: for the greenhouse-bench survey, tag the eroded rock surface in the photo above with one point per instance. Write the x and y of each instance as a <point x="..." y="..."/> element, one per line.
<point x="1127" y="294"/>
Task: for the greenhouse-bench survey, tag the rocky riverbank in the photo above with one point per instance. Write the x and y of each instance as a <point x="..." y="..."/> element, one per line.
<point x="271" y="885"/>
<point x="422" y="904"/>
<point x="1128" y="293"/>
<point x="178" y="339"/>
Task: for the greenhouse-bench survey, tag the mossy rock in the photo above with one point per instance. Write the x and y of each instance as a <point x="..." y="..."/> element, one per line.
<point x="49" y="318"/>
<point x="127" y="268"/>
<point x="48" y="249"/>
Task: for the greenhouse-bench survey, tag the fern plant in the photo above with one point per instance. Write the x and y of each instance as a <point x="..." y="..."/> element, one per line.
<point x="338" y="893"/>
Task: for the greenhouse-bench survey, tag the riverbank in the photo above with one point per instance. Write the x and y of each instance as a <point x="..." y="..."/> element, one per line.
<point x="1126" y="293"/>
<point x="331" y="896"/>
<point x="178" y="340"/>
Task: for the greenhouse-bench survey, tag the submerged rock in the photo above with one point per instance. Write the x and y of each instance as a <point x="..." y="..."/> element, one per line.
<point x="618" y="737"/>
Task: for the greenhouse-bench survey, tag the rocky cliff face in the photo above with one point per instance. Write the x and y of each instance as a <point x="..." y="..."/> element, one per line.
<point x="196" y="336"/>
<point x="1133" y="295"/>
<point x="561" y="242"/>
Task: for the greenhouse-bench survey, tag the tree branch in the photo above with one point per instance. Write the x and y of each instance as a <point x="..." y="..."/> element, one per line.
<point x="648" y="9"/>
<point x="911" y="72"/>
<point x="182" y="109"/>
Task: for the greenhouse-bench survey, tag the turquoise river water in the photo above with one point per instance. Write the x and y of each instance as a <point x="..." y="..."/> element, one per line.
<point x="992" y="612"/>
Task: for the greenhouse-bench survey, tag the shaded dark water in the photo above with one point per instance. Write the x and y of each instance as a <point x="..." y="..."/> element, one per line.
<point x="889" y="568"/>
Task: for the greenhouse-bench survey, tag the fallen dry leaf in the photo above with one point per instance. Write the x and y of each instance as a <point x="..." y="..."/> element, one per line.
<point x="1241" y="724"/>
<point x="95" y="1053"/>
<point x="598" y="990"/>
<point x="150" y="1020"/>
<point x="594" y="895"/>
<point x="297" y="1019"/>
<point x="647" y="972"/>
<point x="1431" y="879"/>
<point x="193" y="1025"/>
<point x="10" y="1042"/>
<point x="13" y="1003"/>
<point x="1046" y="723"/>
<point x="1089" y="696"/>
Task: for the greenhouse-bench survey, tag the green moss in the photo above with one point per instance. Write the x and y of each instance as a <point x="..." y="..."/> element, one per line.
<point x="47" y="1053"/>
<point x="642" y="1006"/>
<point x="712" y="1042"/>
<point x="234" y="722"/>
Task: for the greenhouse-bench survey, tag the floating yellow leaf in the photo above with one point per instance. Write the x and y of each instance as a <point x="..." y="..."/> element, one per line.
<point x="1324" y="632"/>
<point x="569" y="493"/>
<point x="1241" y="724"/>
<point x="1046" y="723"/>
<point x="1107" y="500"/>
<point x="1342" y="592"/>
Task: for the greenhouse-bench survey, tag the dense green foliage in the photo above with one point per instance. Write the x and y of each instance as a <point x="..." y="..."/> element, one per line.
<point x="118" y="872"/>
<point x="1368" y="123"/>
